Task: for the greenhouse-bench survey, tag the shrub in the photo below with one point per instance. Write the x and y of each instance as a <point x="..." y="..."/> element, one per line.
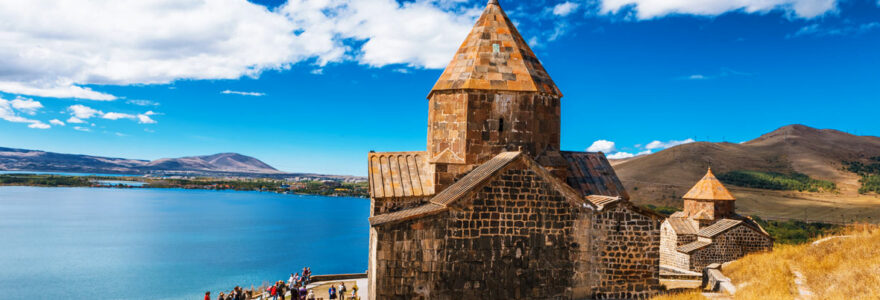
<point x="777" y="181"/>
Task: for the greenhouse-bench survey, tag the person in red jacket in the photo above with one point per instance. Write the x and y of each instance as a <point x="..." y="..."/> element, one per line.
<point x="208" y="295"/>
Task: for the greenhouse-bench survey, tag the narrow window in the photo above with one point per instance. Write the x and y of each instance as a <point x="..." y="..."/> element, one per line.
<point x="496" y="48"/>
<point x="501" y="125"/>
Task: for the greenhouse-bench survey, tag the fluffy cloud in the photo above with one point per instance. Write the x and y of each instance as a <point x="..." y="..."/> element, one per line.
<point x="9" y="112"/>
<point x="565" y="8"/>
<point x="75" y="120"/>
<point x="648" y="9"/>
<point x="91" y="43"/>
<point x="56" y="122"/>
<point x="80" y="112"/>
<point x="601" y="146"/>
<point x="28" y="106"/>
<point x="39" y="125"/>
<point x="669" y="144"/>
<point x="255" y="94"/>
<point x="622" y="155"/>
<point x="117" y="116"/>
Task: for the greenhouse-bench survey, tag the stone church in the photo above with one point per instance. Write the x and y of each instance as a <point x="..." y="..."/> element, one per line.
<point x="493" y="209"/>
<point x="709" y="230"/>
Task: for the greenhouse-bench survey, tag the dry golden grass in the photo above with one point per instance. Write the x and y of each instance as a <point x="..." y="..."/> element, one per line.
<point x="689" y="295"/>
<point x="838" y="268"/>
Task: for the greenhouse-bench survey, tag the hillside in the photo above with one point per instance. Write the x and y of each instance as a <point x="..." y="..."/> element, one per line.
<point x="661" y="178"/>
<point x="33" y="160"/>
<point x="845" y="266"/>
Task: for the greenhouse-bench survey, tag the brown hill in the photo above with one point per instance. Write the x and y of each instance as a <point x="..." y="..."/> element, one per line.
<point x="661" y="178"/>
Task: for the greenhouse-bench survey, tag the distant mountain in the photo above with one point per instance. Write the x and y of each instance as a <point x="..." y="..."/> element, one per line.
<point x="663" y="177"/>
<point x="33" y="160"/>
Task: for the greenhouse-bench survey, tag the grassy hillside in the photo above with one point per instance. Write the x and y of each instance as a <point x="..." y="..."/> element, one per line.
<point x="793" y="172"/>
<point x="842" y="267"/>
<point x="870" y="173"/>
<point x="776" y="181"/>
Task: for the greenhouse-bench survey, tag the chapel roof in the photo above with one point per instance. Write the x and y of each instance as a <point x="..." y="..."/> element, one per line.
<point x="681" y="225"/>
<point x="400" y="174"/>
<point x="590" y="173"/>
<point x="494" y="56"/>
<point x="471" y="182"/>
<point x="709" y="188"/>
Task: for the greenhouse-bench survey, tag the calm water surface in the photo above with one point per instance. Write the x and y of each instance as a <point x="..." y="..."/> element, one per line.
<point x="99" y="243"/>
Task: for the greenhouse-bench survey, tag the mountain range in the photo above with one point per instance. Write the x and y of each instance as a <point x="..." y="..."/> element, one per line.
<point x="34" y="160"/>
<point x="661" y="178"/>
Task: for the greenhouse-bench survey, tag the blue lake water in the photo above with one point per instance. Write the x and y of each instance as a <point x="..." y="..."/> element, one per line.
<point x="98" y="243"/>
<point x="68" y="174"/>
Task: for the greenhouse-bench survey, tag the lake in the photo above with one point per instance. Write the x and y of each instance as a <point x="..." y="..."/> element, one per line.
<point x="99" y="243"/>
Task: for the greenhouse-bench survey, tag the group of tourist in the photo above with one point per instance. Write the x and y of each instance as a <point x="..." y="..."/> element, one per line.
<point x="236" y="294"/>
<point x="340" y="293"/>
<point x="295" y="285"/>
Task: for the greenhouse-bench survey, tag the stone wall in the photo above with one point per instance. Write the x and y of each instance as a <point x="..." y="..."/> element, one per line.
<point x="627" y="248"/>
<point x="405" y="258"/>
<point x="387" y="205"/>
<point x="467" y="128"/>
<point x="730" y="245"/>
<point x="510" y="240"/>
<point x="669" y="243"/>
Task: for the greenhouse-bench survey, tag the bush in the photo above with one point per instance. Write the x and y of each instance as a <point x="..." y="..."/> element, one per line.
<point x="795" y="231"/>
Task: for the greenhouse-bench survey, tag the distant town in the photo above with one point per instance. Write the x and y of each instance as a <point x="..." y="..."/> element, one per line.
<point x="343" y="187"/>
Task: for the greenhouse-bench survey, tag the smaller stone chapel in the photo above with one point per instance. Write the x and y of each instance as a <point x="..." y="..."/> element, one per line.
<point x="709" y="230"/>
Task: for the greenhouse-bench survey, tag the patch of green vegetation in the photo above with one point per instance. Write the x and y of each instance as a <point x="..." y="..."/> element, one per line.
<point x="777" y="181"/>
<point x="796" y="232"/>
<point x="43" y="180"/>
<point x="870" y="173"/>
<point x="664" y="210"/>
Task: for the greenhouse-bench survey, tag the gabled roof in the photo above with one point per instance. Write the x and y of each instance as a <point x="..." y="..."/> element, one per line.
<point x="495" y="57"/>
<point x="682" y="226"/>
<point x="590" y="173"/>
<point x="472" y="181"/>
<point x="688" y="248"/>
<point x="719" y="227"/>
<point x="709" y="188"/>
<point x="600" y="201"/>
<point x="400" y="174"/>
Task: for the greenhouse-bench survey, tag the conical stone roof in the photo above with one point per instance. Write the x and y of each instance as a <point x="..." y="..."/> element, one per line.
<point x="495" y="57"/>
<point x="709" y="188"/>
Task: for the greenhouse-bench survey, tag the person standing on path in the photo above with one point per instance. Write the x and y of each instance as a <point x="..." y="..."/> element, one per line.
<point x="332" y="291"/>
<point x="208" y="295"/>
<point x="342" y="291"/>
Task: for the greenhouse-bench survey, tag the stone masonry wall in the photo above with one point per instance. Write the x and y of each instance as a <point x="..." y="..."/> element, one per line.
<point x="729" y="246"/>
<point x="510" y="240"/>
<point x="406" y="258"/>
<point x="669" y="243"/>
<point x="627" y="248"/>
<point x="387" y="205"/>
<point x="467" y="128"/>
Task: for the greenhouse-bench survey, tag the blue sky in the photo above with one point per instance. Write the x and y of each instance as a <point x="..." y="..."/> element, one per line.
<point x="312" y="86"/>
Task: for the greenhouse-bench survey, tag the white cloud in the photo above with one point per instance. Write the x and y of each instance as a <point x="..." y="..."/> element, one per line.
<point x="25" y="105"/>
<point x="145" y="119"/>
<point x="601" y="146"/>
<point x="851" y="29"/>
<point x="8" y="113"/>
<point x="696" y="77"/>
<point x="622" y="155"/>
<point x="142" y="102"/>
<point x="565" y="8"/>
<point x="82" y="112"/>
<point x="56" y="122"/>
<point x="255" y="94"/>
<point x="89" y="43"/>
<point x="83" y="129"/>
<point x="648" y="9"/>
<point x="117" y="116"/>
<point x="663" y="145"/>
<point x="75" y="120"/>
<point x="39" y="125"/>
